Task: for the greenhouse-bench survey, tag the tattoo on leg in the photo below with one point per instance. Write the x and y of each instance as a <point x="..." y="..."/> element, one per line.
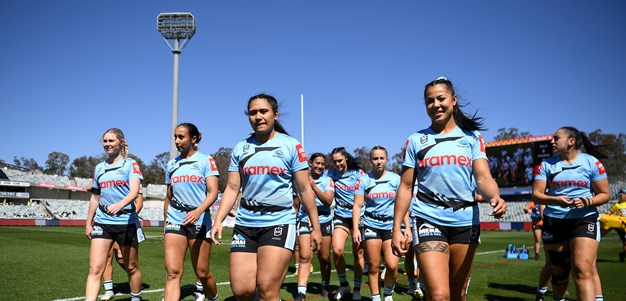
<point x="433" y="246"/>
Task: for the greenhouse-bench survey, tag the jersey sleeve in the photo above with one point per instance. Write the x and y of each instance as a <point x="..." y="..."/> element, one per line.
<point x="168" y="169"/>
<point x="410" y="153"/>
<point x="362" y="183"/>
<point x="234" y="158"/>
<point x="298" y="160"/>
<point x="329" y="184"/>
<point x="478" y="147"/>
<point x="541" y="171"/>
<point x="135" y="172"/>
<point x="598" y="172"/>
<point x="211" y="167"/>
<point x="95" y="185"/>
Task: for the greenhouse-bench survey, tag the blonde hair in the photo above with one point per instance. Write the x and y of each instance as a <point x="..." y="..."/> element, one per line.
<point x="120" y="135"/>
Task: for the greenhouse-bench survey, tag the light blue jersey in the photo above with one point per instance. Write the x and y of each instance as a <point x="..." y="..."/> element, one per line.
<point x="345" y="186"/>
<point x="379" y="195"/>
<point x="267" y="172"/>
<point x="572" y="180"/>
<point x="113" y="182"/>
<point x="443" y="164"/>
<point x="187" y="179"/>
<point x="324" y="211"/>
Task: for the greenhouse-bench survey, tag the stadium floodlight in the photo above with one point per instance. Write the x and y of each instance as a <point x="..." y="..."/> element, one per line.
<point x="176" y="27"/>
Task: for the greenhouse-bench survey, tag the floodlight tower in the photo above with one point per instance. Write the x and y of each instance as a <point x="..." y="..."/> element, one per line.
<point x="176" y="27"/>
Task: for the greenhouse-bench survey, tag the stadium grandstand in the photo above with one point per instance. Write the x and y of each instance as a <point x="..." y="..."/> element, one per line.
<point x="28" y="198"/>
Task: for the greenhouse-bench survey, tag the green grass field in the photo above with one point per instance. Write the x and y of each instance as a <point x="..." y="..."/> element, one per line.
<point x="51" y="263"/>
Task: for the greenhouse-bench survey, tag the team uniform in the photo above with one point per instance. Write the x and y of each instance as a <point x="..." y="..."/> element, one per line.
<point x="112" y="183"/>
<point x="619" y="209"/>
<point x="187" y="178"/>
<point x="445" y="209"/>
<point x="266" y="215"/>
<point x="535" y="215"/>
<point x="324" y="211"/>
<point x="574" y="180"/>
<point x="345" y="186"/>
<point x="379" y="196"/>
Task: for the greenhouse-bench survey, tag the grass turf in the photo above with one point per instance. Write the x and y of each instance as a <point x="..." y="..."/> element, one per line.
<point x="51" y="263"/>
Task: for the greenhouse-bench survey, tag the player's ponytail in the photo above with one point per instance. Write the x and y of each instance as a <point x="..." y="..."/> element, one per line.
<point x="192" y="129"/>
<point x="465" y="122"/>
<point x="583" y="141"/>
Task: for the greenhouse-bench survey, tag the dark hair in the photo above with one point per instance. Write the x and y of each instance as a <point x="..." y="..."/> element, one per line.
<point x="473" y="123"/>
<point x="350" y="161"/>
<point x="274" y="104"/>
<point x="315" y="155"/>
<point x="192" y="129"/>
<point x="379" y="147"/>
<point x="582" y="140"/>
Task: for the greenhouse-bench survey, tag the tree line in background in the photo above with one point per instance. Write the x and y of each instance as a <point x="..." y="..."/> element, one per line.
<point x="614" y="146"/>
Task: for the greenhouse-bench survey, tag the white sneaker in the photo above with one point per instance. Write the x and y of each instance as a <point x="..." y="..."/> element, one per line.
<point x="108" y="295"/>
<point x="418" y="294"/>
<point x="388" y="298"/>
<point x="198" y="296"/>
<point x="356" y="295"/>
<point x="342" y="291"/>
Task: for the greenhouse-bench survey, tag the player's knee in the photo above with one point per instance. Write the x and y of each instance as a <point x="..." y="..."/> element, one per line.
<point x="561" y="266"/>
<point x="439" y="295"/>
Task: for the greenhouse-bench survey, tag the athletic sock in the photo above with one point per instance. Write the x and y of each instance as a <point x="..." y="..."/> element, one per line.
<point x="376" y="297"/>
<point x="302" y="289"/>
<point x="199" y="287"/>
<point x="214" y="298"/>
<point x="135" y="296"/>
<point x="357" y="284"/>
<point x="343" y="281"/>
<point x="599" y="298"/>
<point x="411" y="281"/>
<point x="108" y="285"/>
<point x="389" y="290"/>
<point x="542" y="290"/>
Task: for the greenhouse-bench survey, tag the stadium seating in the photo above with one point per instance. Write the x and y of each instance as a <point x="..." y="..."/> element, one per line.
<point x="11" y="211"/>
<point x="67" y="209"/>
<point x="155" y="191"/>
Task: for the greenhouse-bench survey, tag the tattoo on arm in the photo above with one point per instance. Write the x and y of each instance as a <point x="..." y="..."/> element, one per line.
<point x="433" y="246"/>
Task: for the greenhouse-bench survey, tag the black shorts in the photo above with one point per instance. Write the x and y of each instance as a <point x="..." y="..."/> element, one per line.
<point x="249" y="239"/>
<point x="621" y="234"/>
<point x="425" y="231"/>
<point x="344" y="222"/>
<point x="537" y="227"/>
<point x="558" y="230"/>
<point x="124" y="235"/>
<point x="326" y="228"/>
<point x="189" y="231"/>
<point x="368" y="233"/>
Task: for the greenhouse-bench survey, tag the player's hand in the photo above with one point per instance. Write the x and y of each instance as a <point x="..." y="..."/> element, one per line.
<point x="114" y="209"/>
<point x="398" y="243"/>
<point x="564" y="201"/>
<point x="192" y="217"/>
<point x="408" y="238"/>
<point x="499" y="207"/>
<point x="581" y="202"/>
<point x="216" y="233"/>
<point x="88" y="230"/>
<point x="356" y="236"/>
<point x="316" y="240"/>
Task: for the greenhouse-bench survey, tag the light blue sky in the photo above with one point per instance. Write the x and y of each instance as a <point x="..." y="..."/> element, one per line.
<point x="72" y="69"/>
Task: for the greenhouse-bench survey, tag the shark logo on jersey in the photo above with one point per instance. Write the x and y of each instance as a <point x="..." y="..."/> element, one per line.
<point x="423" y="139"/>
<point x="119" y="172"/>
<point x="279" y="154"/>
<point x="427" y="229"/>
<point x="238" y="241"/>
<point x="246" y="148"/>
<point x="195" y="166"/>
<point x="369" y="233"/>
<point x="463" y="143"/>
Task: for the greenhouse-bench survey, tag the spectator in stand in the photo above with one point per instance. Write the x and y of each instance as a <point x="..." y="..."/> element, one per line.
<point x="112" y="216"/>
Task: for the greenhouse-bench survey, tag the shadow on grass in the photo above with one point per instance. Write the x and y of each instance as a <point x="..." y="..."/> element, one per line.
<point x="493" y="297"/>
